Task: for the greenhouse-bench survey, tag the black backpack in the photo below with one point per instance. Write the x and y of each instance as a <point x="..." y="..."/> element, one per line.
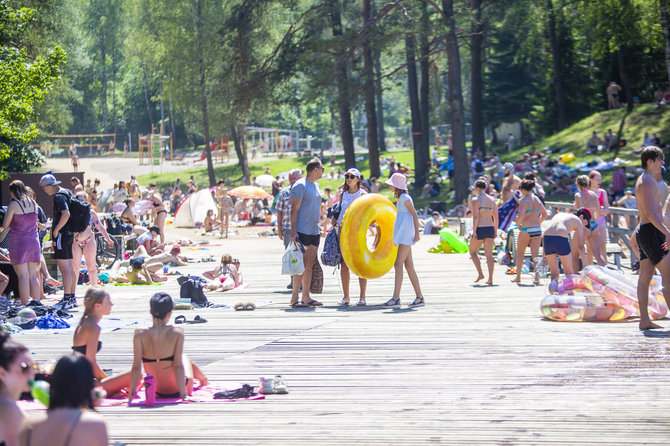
<point x="114" y="226"/>
<point x="479" y="166"/>
<point x="192" y="288"/>
<point x="80" y="213"/>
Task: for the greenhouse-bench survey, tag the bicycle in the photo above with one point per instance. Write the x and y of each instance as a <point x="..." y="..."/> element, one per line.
<point x="106" y="255"/>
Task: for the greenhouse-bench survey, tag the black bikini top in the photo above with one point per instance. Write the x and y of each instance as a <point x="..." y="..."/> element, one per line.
<point x="82" y="348"/>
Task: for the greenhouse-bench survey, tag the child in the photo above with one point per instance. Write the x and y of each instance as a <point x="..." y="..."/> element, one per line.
<point x="405" y="234"/>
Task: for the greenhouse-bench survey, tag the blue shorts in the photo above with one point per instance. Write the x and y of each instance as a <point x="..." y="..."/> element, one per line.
<point x="484" y="232"/>
<point x="555" y="244"/>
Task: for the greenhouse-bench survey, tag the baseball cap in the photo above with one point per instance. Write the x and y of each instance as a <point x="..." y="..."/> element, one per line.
<point x="628" y="190"/>
<point x="49" y="180"/>
<point x="508" y="166"/>
<point x="137" y="262"/>
<point x="161" y="304"/>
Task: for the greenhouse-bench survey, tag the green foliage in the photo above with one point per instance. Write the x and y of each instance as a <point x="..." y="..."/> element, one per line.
<point x="25" y="80"/>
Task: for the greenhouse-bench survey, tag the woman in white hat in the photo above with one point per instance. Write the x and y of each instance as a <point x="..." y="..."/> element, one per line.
<point x="350" y="190"/>
<point x="405" y="234"/>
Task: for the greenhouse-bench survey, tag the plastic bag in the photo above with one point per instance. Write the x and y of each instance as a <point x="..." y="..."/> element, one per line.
<point x="292" y="262"/>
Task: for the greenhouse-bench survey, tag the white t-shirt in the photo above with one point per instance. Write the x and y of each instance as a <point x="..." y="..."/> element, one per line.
<point x="144" y="238"/>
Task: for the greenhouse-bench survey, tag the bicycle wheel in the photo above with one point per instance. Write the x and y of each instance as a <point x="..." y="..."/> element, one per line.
<point x="105" y="255"/>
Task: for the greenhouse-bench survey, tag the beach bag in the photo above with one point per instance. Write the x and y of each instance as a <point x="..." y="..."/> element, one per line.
<point x="114" y="226"/>
<point x="80" y="213"/>
<point x="331" y="255"/>
<point x="292" y="262"/>
<point x="316" y="285"/>
<point x="191" y="287"/>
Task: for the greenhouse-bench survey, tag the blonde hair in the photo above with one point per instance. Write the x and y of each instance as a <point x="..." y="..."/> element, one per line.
<point x="93" y="296"/>
<point x="226" y="259"/>
<point x="582" y="181"/>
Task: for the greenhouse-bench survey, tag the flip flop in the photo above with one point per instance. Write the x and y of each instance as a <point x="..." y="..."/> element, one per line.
<point x="197" y="320"/>
<point x="250" y="306"/>
<point x="239" y="306"/>
<point x="299" y="304"/>
<point x="313" y="303"/>
<point x="181" y="319"/>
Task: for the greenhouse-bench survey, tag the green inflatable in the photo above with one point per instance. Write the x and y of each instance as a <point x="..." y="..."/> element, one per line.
<point x="455" y="241"/>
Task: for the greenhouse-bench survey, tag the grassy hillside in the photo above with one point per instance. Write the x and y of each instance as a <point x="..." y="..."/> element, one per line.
<point x="644" y="118"/>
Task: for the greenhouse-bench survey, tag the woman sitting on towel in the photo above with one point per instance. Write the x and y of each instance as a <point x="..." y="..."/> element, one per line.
<point x="86" y="342"/>
<point x="225" y="277"/>
<point x="70" y="418"/>
<point x="159" y="349"/>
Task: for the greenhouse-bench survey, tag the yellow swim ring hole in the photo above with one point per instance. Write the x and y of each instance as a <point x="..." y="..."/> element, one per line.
<point x="374" y="259"/>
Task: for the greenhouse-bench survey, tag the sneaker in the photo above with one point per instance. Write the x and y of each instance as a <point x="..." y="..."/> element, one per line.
<point x="4" y="304"/>
<point x="73" y="301"/>
<point x="64" y="304"/>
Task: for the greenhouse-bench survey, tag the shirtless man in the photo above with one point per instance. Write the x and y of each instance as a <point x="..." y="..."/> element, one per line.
<point x="652" y="235"/>
<point x="511" y="182"/>
<point x="588" y="199"/>
<point x="556" y="242"/>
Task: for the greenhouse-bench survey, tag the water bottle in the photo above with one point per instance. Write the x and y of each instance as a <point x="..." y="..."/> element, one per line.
<point x="40" y="391"/>
<point x="150" y="390"/>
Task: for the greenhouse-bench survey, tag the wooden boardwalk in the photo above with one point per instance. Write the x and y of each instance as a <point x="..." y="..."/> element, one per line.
<point x="477" y="365"/>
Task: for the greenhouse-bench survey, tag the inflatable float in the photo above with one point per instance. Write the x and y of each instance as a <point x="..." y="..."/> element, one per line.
<point x="618" y="290"/>
<point x="454" y="240"/>
<point x="365" y="210"/>
<point x="581" y="306"/>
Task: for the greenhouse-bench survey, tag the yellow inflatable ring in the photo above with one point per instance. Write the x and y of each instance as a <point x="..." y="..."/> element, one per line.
<point x="363" y="211"/>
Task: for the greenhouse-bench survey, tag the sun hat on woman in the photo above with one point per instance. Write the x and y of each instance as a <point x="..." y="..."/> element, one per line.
<point x="397" y="180"/>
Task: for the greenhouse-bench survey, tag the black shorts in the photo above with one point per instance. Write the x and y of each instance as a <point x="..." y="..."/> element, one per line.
<point x="649" y="239"/>
<point x="63" y="245"/>
<point x="484" y="232"/>
<point x="308" y="240"/>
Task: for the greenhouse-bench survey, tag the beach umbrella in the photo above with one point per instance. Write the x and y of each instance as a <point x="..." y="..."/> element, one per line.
<point x="252" y="192"/>
<point x="264" y="180"/>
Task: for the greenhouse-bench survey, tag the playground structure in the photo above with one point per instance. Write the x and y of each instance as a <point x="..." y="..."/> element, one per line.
<point x="221" y="148"/>
<point x="156" y="145"/>
<point x="267" y="140"/>
<point x="55" y="145"/>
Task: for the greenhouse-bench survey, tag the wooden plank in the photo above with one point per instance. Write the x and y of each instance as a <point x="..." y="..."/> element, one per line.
<point x="477" y="365"/>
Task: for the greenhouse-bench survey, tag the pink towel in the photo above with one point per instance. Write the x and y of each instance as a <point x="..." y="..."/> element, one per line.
<point x="200" y="395"/>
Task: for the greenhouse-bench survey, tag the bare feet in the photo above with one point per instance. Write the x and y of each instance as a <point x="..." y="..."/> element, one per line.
<point x="52" y="281"/>
<point x="489" y="282"/>
<point x="648" y="325"/>
<point x="516" y="280"/>
<point x="481" y="276"/>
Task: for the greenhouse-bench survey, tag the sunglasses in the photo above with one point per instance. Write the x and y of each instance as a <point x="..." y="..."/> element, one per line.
<point x="26" y="367"/>
<point x="349" y="177"/>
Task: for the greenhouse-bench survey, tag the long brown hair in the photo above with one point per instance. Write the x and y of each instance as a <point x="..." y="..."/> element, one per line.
<point x="18" y="189"/>
<point x="93" y="296"/>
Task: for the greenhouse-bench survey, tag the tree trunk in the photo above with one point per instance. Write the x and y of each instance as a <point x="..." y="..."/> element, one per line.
<point x="456" y="113"/>
<point x="203" y="93"/>
<point x="476" y="85"/>
<point x="103" y="81"/>
<point x="160" y="92"/>
<point x="381" y="134"/>
<point x="343" y="99"/>
<point x="624" y="80"/>
<point x="422" y="158"/>
<point x="414" y="106"/>
<point x="559" y="94"/>
<point x="146" y="97"/>
<point x="666" y="35"/>
<point x="173" y="133"/>
<point x="368" y="75"/>
<point x="239" y="140"/>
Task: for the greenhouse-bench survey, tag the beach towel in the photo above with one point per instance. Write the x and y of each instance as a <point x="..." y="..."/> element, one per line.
<point x="507" y="212"/>
<point x="200" y="395"/>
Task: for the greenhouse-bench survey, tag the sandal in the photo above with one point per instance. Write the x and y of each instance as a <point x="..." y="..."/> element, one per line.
<point x="181" y="319"/>
<point x="250" y="306"/>
<point x="392" y="303"/>
<point x="313" y="303"/>
<point x="197" y="320"/>
<point x="343" y="303"/>
<point x="361" y="303"/>
<point x="299" y="304"/>
<point x="239" y="306"/>
<point x="418" y="302"/>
